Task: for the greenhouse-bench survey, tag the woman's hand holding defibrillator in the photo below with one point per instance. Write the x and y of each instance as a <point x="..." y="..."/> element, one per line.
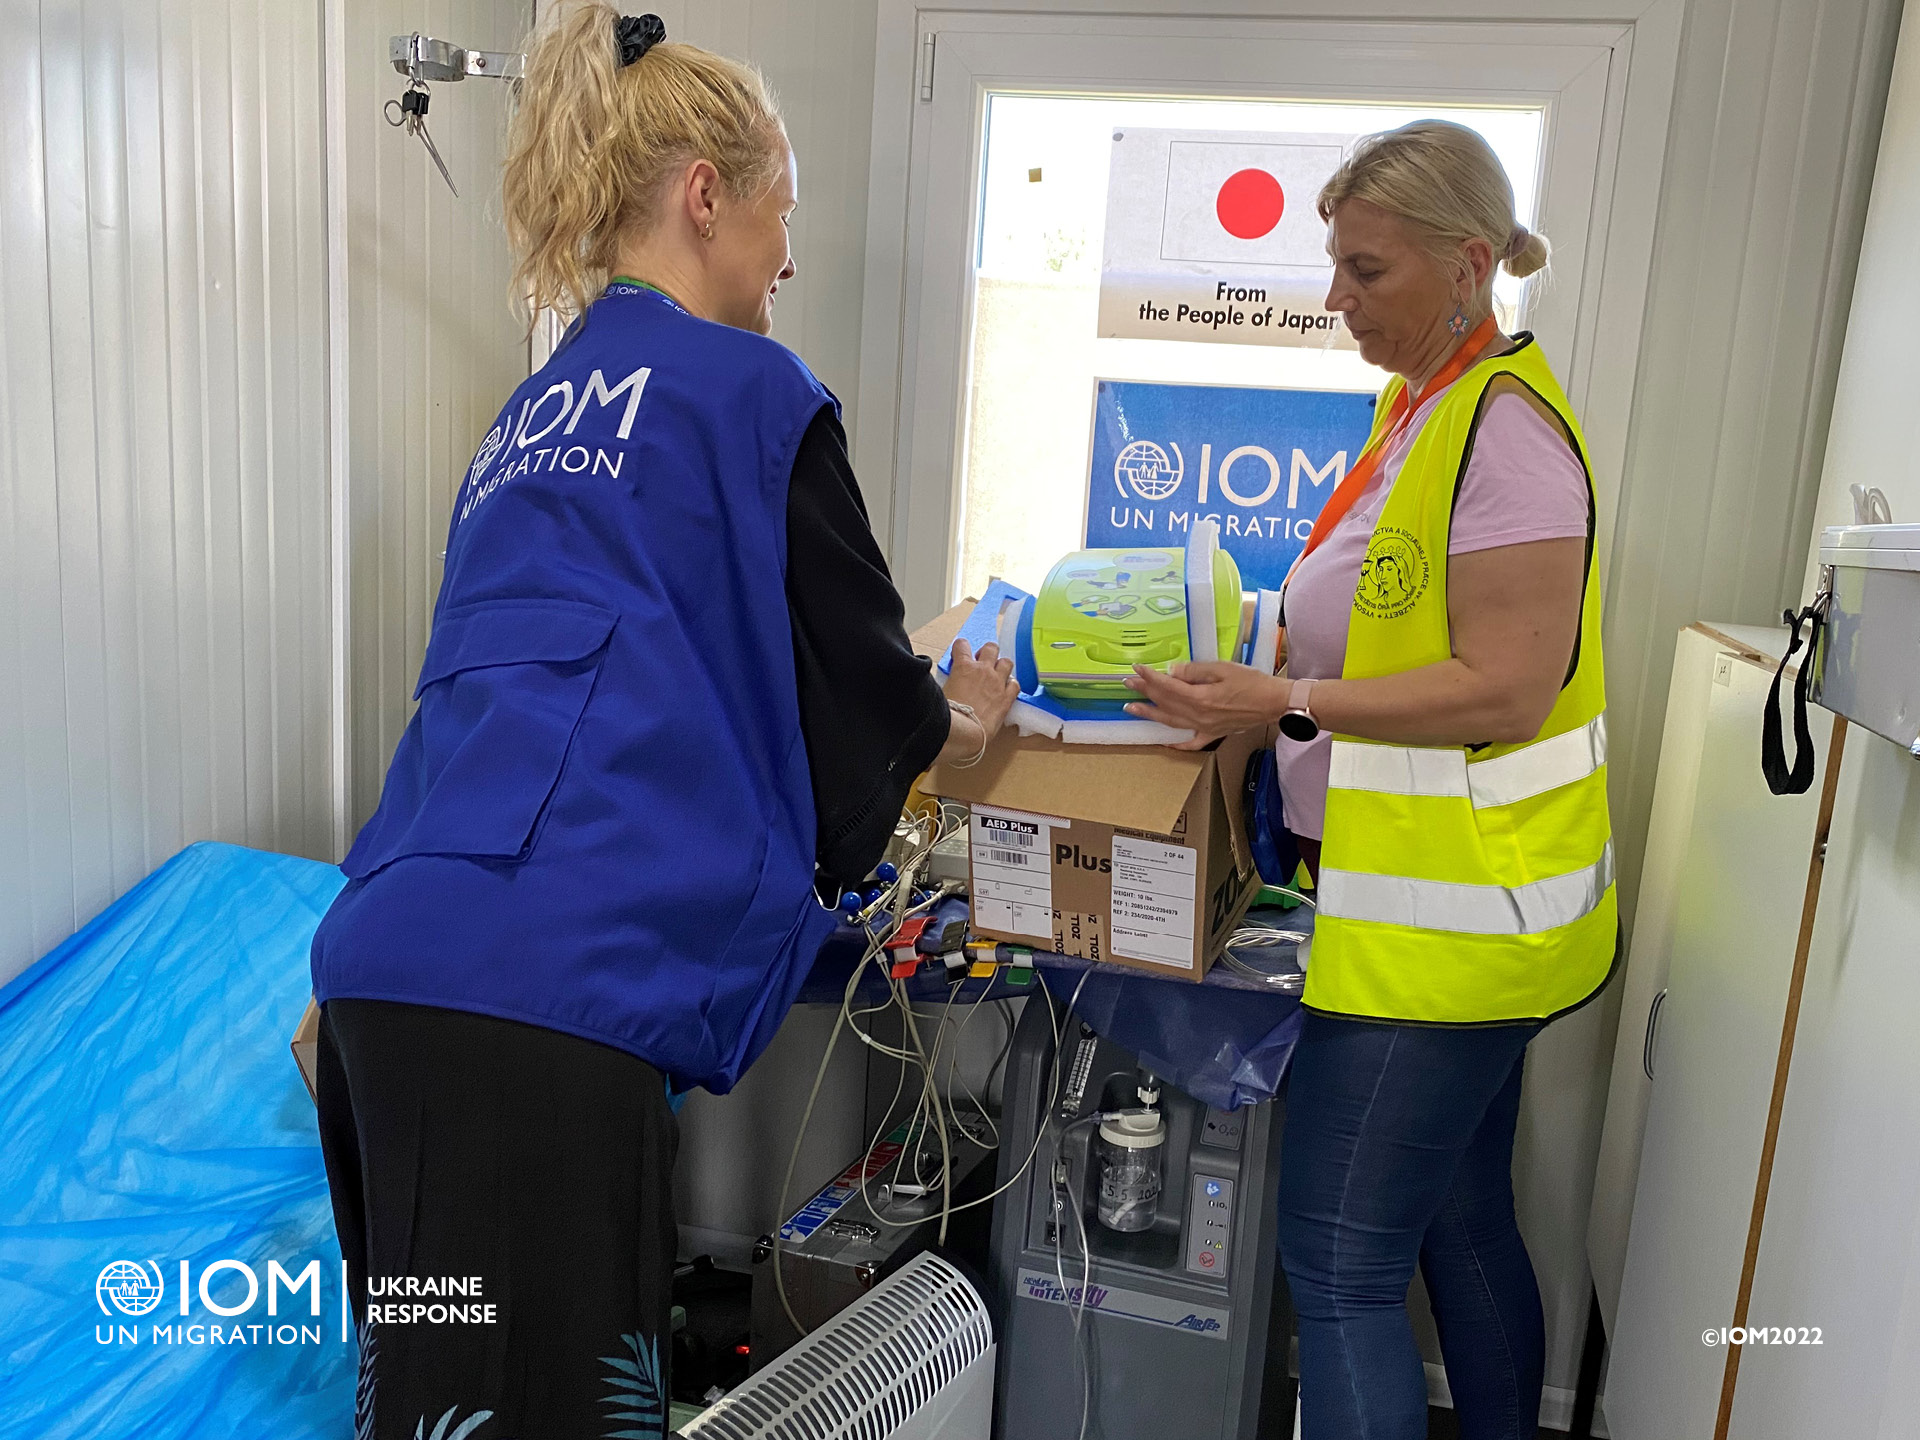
<point x="1209" y="697"/>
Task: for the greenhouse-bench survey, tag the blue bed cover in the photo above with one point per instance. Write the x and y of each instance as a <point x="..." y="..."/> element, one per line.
<point x="153" y="1119"/>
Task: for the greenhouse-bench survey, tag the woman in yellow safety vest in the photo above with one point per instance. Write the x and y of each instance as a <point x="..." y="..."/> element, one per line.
<point x="1443" y="763"/>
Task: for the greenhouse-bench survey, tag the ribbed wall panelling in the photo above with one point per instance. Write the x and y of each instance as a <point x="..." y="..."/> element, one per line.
<point x="433" y="347"/>
<point x="1770" y="156"/>
<point x="163" y="446"/>
<point x="818" y="55"/>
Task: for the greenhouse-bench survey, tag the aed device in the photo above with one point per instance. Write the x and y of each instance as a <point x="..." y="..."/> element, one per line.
<point x="1101" y="612"/>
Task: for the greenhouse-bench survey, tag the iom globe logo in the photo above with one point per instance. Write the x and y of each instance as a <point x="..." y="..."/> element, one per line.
<point x="1145" y="466"/>
<point x="131" y="1289"/>
<point x="489" y="448"/>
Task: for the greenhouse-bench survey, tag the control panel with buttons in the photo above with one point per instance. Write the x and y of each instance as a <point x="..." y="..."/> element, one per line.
<point x="1209" y="1225"/>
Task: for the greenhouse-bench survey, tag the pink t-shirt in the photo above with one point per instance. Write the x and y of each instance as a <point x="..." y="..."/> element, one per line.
<point x="1523" y="483"/>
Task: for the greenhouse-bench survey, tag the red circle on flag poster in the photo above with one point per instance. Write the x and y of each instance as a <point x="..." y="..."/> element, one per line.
<point x="1249" y="204"/>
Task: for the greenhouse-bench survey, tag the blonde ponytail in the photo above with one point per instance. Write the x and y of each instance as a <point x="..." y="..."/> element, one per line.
<point x="592" y="144"/>
<point x="1445" y="181"/>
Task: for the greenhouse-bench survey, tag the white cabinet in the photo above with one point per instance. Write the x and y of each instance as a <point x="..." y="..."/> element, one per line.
<point x="1725" y="884"/>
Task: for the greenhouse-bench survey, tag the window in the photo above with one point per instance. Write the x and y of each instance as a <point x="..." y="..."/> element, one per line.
<point x="1035" y="353"/>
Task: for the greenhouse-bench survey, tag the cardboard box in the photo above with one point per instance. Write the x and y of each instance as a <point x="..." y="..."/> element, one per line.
<point x="933" y="638"/>
<point x="306" y="1046"/>
<point x="1133" y="854"/>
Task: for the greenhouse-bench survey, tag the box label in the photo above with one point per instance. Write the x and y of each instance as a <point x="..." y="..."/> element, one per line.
<point x="1013" y="870"/>
<point x="1155" y="905"/>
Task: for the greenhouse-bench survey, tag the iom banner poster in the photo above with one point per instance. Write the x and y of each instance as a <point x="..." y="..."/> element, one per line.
<point x="1212" y="235"/>
<point x="1259" y="462"/>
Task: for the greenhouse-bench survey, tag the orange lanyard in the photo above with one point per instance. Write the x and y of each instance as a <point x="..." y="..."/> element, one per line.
<point x="1355" y="480"/>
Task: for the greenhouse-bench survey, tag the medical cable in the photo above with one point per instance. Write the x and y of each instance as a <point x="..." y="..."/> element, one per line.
<point x="901" y="889"/>
<point x="1258" y="937"/>
<point x="1040" y="1133"/>
<point x="1076" y="1307"/>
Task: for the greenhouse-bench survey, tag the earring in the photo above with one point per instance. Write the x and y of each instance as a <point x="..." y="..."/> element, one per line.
<point x="707" y="233"/>
<point x="1458" y="323"/>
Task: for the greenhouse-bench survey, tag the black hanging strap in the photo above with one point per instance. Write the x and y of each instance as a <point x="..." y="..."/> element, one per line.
<point x="1773" y="760"/>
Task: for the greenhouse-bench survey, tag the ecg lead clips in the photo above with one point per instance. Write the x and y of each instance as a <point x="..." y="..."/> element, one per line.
<point x="422" y="58"/>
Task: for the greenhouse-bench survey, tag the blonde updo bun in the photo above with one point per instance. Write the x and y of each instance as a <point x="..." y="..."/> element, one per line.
<point x="1445" y="181"/>
<point x="1526" y="254"/>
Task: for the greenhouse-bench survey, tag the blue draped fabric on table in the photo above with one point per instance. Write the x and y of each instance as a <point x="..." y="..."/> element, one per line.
<point x="1225" y="1041"/>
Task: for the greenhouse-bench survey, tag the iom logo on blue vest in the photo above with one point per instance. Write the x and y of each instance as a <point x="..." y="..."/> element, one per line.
<point x="553" y="418"/>
<point x="489" y="448"/>
<point x="1261" y="463"/>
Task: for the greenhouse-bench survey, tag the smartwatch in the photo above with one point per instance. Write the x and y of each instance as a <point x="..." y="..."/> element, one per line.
<point x="1298" y="722"/>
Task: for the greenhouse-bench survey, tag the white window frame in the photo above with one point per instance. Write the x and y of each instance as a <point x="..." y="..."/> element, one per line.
<point x="922" y="214"/>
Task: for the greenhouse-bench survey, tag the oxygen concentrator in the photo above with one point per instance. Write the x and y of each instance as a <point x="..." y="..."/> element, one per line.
<point x="1149" y="1217"/>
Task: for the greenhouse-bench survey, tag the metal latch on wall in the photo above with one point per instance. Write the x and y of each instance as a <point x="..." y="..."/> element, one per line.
<point x="422" y="58"/>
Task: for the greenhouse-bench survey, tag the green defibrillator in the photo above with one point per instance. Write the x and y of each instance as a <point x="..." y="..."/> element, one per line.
<point x="1101" y="612"/>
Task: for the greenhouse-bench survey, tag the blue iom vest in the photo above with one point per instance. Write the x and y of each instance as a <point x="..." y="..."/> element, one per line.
<point x="600" y="819"/>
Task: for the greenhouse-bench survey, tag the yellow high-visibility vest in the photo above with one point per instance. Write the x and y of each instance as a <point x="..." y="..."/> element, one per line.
<point x="1459" y="884"/>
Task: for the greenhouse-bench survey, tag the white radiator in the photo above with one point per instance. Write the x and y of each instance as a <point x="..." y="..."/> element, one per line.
<point x="910" y="1360"/>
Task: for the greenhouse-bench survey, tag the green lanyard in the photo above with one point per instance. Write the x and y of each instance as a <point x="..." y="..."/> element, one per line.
<point x="642" y="284"/>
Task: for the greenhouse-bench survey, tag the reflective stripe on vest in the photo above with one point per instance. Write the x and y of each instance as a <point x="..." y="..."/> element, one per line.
<point x="1467" y="909"/>
<point x="1424" y="770"/>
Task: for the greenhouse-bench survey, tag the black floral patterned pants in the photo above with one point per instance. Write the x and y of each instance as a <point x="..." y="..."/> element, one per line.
<point x="503" y="1194"/>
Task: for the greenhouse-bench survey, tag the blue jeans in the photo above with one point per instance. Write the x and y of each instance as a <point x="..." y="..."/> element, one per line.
<point x="1399" y="1149"/>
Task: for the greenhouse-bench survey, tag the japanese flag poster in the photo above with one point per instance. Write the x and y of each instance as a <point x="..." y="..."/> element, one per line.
<point x="1212" y="235"/>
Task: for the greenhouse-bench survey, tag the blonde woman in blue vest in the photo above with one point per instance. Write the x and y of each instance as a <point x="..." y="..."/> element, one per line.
<point x="1443" y="762"/>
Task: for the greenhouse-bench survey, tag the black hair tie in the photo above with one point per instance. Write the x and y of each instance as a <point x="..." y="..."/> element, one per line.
<point x="637" y="34"/>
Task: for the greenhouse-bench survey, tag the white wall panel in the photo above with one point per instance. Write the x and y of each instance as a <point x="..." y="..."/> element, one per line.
<point x="1842" y="1235"/>
<point x="431" y="346"/>
<point x="818" y="55"/>
<point x="1770" y="154"/>
<point x="163" y="445"/>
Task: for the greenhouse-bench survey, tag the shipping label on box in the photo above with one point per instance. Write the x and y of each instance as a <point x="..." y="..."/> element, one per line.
<point x="1012" y="858"/>
<point x="1154" y="900"/>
